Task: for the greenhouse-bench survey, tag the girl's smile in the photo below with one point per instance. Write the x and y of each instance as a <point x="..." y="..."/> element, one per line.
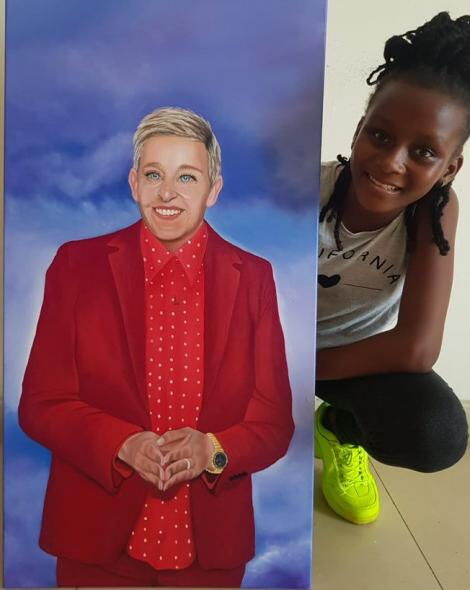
<point x="389" y="188"/>
<point x="409" y="139"/>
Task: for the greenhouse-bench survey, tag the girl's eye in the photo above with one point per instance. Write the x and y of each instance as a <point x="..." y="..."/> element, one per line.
<point x="379" y="136"/>
<point x="185" y="178"/>
<point x="424" y="153"/>
<point x="152" y="176"/>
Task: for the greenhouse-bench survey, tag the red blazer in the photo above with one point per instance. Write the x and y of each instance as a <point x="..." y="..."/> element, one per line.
<point x="84" y="394"/>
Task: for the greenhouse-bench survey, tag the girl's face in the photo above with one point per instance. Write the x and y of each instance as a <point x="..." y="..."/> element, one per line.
<point x="408" y="140"/>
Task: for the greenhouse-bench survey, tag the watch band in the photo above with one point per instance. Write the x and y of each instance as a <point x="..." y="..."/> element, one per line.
<point x="219" y="458"/>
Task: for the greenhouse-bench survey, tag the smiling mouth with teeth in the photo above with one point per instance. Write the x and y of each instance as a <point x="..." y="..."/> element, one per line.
<point x="390" y="188"/>
<point x="166" y="212"/>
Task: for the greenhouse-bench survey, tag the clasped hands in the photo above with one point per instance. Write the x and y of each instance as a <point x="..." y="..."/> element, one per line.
<point x="164" y="461"/>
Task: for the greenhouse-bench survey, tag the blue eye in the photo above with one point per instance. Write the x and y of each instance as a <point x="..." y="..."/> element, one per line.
<point x="185" y="178"/>
<point x="152" y="176"/>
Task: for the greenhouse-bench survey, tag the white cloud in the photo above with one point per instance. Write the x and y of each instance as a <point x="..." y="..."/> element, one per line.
<point x="78" y="177"/>
<point x="285" y="565"/>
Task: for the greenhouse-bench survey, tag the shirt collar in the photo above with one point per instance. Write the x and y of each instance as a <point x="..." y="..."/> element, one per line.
<point x="156" y="256"/>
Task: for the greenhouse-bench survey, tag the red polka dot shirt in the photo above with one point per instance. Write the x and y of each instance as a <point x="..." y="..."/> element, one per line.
<point x="174" y="311"/>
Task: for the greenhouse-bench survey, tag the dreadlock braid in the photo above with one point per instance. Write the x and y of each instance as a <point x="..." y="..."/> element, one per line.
<point x="335" y="203"/>
<point x="441" y="44"/>
<point x="410" y="224"/>
<point x="436" y="55"/>
<point x="440" y="197"/>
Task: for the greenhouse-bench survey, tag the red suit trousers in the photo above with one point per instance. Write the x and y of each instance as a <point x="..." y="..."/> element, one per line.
<point x="132" y="573"/>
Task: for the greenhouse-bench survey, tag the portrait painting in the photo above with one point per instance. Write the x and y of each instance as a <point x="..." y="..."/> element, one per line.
<point x="83" y="83"/>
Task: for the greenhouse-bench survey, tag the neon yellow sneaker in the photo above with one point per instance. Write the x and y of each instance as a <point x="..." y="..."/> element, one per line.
<point x="347" y="484"/>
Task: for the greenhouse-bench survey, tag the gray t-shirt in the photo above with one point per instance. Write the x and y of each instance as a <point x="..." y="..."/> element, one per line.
<point x="359" y="287"/>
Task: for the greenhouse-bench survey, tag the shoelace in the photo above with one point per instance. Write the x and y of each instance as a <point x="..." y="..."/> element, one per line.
<point x="351" y="464"/>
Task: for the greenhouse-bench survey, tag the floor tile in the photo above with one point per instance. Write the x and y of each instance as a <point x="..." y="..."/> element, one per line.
<point x="382" y="555"/>
<point x="436" y="509"/>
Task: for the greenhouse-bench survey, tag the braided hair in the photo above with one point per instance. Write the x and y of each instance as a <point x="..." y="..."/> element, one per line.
<point x="435" y="56"/>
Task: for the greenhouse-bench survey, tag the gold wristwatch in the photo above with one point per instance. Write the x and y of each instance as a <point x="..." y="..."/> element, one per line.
<point x="219" y="458"/>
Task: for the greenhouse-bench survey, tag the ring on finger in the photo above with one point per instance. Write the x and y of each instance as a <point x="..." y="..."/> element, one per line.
<point x="188" y="464"/>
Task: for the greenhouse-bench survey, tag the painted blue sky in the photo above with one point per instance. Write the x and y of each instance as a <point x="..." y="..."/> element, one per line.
<point x="80" y="75"/>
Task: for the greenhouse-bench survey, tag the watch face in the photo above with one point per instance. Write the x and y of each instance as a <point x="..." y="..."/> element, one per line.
<point x="220" y="460"/>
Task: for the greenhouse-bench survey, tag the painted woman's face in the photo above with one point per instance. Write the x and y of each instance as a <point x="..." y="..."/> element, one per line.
<point x="409" y="140"/>
<point x="172" y="187"/>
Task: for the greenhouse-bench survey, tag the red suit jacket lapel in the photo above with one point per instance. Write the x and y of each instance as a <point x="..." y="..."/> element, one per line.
<point x="128" y="271"/>
<point x="222" y="276"/>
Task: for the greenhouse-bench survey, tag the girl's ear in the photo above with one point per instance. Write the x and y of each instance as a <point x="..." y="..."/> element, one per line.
<point x="358" y="128"/>
<point x="452" y="170"/>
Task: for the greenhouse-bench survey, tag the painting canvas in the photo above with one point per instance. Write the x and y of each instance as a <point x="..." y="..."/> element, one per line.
<point x="79" y="77"/>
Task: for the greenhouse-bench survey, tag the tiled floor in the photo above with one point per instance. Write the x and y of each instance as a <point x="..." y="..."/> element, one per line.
<point x="421" y="540"/>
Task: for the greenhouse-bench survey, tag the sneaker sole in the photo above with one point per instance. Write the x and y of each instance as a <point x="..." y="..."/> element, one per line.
<point x="353" y="518"/>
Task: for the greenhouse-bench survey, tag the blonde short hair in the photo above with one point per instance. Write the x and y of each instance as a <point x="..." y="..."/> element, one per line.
<point x="182" y="123"/>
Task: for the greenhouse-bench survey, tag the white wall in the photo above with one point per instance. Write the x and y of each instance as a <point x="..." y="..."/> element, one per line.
<point x="357" y="31"/>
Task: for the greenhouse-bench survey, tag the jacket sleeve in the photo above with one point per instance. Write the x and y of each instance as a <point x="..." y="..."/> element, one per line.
<point x="264" y="435"/>
<point x="51" y="411"/>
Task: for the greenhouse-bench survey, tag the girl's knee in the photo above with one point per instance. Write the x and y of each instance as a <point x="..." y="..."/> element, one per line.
<point x="440" y="442"/>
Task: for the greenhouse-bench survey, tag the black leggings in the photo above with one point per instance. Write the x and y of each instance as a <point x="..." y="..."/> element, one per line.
<point x="402" y="419"/>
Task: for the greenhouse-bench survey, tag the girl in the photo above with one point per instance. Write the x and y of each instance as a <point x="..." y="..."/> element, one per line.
<point x="387" y="228"/>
